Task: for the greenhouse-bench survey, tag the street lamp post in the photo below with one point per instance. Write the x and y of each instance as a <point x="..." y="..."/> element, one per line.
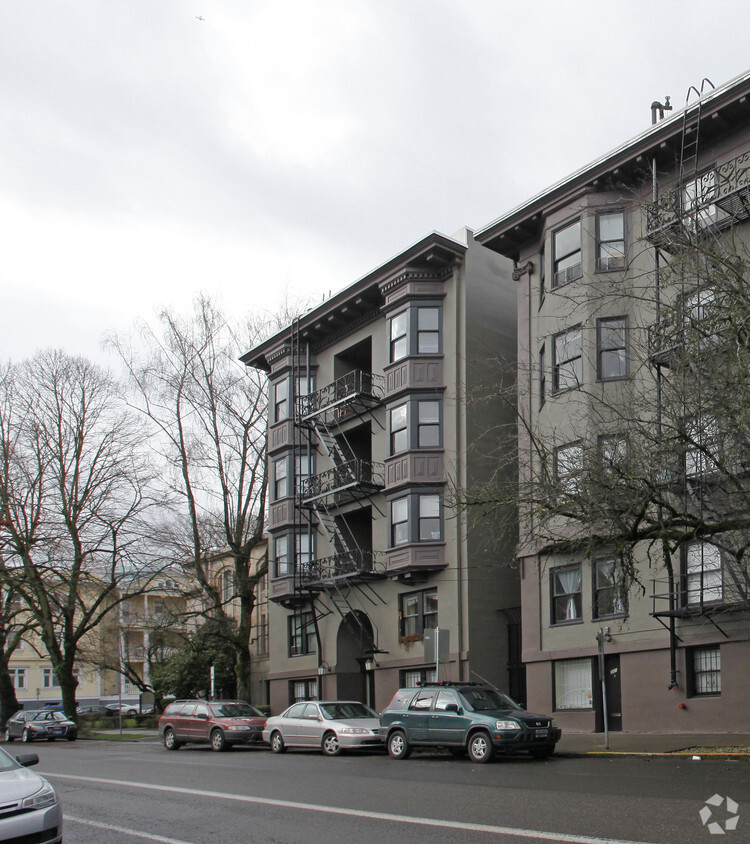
<point x="601" y="637"/>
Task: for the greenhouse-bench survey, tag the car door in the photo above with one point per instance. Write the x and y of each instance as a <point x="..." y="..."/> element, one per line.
<point x="183" y="723"/>
<point x="291" y="724"/>
<point x="311" y="726"/>
<point x="199" y="723"/>
<point x="446" y="726"/>
<point x="418" y="715"/>
<point x="16" y="724"/>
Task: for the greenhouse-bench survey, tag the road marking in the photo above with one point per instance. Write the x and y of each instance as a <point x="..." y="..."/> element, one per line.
<point x="111" y="828"/>
<point x="535" y="834"/>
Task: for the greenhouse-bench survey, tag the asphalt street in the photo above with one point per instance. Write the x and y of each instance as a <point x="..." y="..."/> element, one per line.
<point x="121" y="793"/>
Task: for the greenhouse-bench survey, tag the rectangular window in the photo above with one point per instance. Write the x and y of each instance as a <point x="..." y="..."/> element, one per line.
<point x="566" y="594"/>
<point x="417" y="676"/>
<point x="568" y="467"/>
<point x="400" y="521"/>
<point x="301" y="634"/>
<point x="573" y="684"/>
<point x="706" y="671"/>
<point x="399" y="336"/>
<point x="48" y="678"/>
<point x="304" y="551"/>
<point x="542" y="275"/>
<point x="417" y="612"/>
<point x="430" y="524"/>
<point x="567" y="243"/>
<point x="610" y="241"/>
<point x="428" y="331"/>
<point x="399" y="420"/>
<point x="703" y="574"/>
<point x="609" y="589"/>
<point x="567" y="371"/>
<point x="697" y="200"/>
<point x="280" y="484"/>
<point x="611" y="348"/>
<point x="613" y="454"/>
<point x="18" y="678"/>
<point x="428" y="424"/>
<point x="300" y="690"/>
<point x="303" y="470"/>
<point x="542" y="377"/>
<point x="281" y="556"/>
<point x="703" y="444"/>
<point x="281" y="401"/>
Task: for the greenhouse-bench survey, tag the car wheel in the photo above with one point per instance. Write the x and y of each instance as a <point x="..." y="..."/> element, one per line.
<point x="331" y="746"/>
<point x="70" y="738"/>
<point x="26" y="736"/>
<point x="8" y="736"/>
<point x="50" y="738"/>
<point x="480" y="747"/>
<point x="218" y="741"/>
<point x="542" y="752"/>
<point x="277" y="742"/>
<point x="131" y="713"/>
<point x="398" y="746"/>
<point x="170" y="740"/>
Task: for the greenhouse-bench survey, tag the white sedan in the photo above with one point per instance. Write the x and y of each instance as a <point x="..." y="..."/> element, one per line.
<point x="30" y="810"/>
<point x="330" y="725"/>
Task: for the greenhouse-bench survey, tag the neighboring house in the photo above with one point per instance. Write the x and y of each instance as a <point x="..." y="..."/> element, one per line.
<point x="373" y="418"/>
<point x="676" y="658"/>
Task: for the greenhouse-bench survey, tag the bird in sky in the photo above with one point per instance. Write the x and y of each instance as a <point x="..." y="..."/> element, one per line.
<point x="199" y="18"/>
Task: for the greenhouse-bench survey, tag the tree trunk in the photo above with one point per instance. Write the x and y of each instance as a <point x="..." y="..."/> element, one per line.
<point x="68" y="685"/>
<point x="8" y="701"/>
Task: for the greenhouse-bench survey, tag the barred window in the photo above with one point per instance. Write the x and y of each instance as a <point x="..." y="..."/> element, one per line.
<point x="706" y="671"/>
<point x="573" y="684"/>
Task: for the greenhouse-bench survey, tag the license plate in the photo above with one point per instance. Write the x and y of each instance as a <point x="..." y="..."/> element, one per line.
<point x="542" y="733"/>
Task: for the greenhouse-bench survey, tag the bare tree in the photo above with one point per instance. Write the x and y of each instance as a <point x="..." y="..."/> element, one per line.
<point x="74" y="500"/>
<point x="207" y="414"/>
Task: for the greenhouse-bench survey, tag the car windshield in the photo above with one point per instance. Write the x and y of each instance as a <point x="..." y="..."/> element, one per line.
<point x="334" y="711"/>
<point x="235" y="710"/>
<point x="49" y="716"/>
<point x="483" y="699"/>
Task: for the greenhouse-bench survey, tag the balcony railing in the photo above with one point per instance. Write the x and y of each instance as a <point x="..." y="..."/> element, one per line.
<point x="357" y="563"/>
<point x="358" y="385"/>
<point x="352" y="480"/>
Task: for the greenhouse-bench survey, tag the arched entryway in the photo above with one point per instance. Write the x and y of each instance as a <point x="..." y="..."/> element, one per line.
<point x="354" y="645"/>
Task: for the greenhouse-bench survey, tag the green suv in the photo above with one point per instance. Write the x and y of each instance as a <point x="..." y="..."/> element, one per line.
<point x="465" y="718"/>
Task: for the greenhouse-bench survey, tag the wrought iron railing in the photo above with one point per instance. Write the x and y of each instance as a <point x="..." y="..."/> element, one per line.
<point x="353" y="473"/>
<point x="352" y="564"/>
<point x="355" y="384"/>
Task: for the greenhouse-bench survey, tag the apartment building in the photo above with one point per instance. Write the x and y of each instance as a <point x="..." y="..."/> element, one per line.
<point x="632" y="486"/>
<point x="375" y="415"/>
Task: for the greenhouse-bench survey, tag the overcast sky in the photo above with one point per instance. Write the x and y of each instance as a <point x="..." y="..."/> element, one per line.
<point x="282" y="148"/>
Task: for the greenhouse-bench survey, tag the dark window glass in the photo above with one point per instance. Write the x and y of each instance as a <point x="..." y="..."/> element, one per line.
<point x="399" y="429"/>
<point x="567" y="371"/>
<point x="428" y="424"/>
<point x="611" y="348"/>
<point x="610" y="241"/>
<point x="400" y="521"/>
<point x="399" y="336"/>
<point x="428" y="331"/>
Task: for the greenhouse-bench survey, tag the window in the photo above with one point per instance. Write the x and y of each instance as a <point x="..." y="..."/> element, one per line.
<point x="280" y="401"/>
<point x="428" y="331"/>
<point x="702" y="437"/>
<point x="610" y="241"/>
<point x="703" y="574"/>
<point x="567" y="258"/>
<point x="697" y="201"/>
<point x="542" y="377"/>
<point x="423" y="700"/>
<point x="305" y="385"/>
<point x="304" y="551"/>
<point x="429" y="518"/>
<point x="542" y="274"/>
<point x="302" y="690"/>
<point x="18" y="677"/>
<point x="568" y="466"/>
<point x="301" y="634"/>
<point x="566" y="366"/>
<point x="400" y="521"/>
<point x="417" y="612"/>
<point x="414" y="676"/>
<point x="428" y="424"/>
<point x="573" y="684"/>
<point x="609" y="589"/>
<point x="281" y="556"/>
<point x="280" y="482"/>
<point x="566" y="594"/>
<point x="399" y="419"/>
<point x="613" y="454"/>
<point x="226" y="585"/>
<point x="705" y="670"/>
<point x="303" y="470"/>
<point x="48" y="678"/>
<point x="611" y="348"/>
<point x="399" y="336"/>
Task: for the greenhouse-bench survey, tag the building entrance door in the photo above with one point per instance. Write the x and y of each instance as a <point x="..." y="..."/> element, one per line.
<point x="353" y="648"/>
<point x="614" y="696"/>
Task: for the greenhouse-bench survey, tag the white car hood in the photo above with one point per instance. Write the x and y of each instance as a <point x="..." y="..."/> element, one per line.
<point x="18" y="784"/>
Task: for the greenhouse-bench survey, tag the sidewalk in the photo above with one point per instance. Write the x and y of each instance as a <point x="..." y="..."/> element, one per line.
<point x="645" y="743"/>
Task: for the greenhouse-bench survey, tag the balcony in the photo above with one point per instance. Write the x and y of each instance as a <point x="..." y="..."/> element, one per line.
<point x="357" y="565"/>
<point x="716" y="198"/>
<point x="355" y="390"/>
<point x="351" y="481"/>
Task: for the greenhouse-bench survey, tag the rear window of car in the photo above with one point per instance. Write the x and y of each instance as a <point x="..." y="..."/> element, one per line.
<point x="173" y="708"/>
<point x="401" y="699"/>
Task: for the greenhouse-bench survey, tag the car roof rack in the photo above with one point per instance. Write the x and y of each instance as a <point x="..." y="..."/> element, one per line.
<point x="422" y="683"/>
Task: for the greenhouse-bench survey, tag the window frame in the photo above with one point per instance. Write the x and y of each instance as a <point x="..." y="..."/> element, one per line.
<point x="584" y="665"/>
<point x="281" y="398"/>
<point x="416" y="519"/>
<point x="280" y="481"/>
<point x="601" y="324"/>
<point x="569" y="483"/>
<point x="400" y="432"/>
<point x="613" y="586"/>
<point x="412" y="340"/>
<point x="398" y="341"/>
<point x="542" y="375"/>
<point x="301" y="639"/>
<point x="19" y="676"/>
<point x="697" y="676"/>
<point x="422" y="598"/>
<point x="614" y="262"/>
<point x="571" y="272"/>
<point x="282" y="564"/>
<point x="576" y="595"/>
<point x="570" y="361"/>
<point x="307" y="688"/>
<point x="712" y="588"/>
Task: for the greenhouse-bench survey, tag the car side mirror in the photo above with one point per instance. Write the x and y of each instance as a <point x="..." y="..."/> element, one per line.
<point x="452" y="707"/>
<point x="203" y="716"/>
<point x="26" y="760"/>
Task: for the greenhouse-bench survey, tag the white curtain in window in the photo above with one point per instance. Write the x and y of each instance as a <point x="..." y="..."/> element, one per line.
<point x="569" y="581"/>
<point x="573" y="684"/>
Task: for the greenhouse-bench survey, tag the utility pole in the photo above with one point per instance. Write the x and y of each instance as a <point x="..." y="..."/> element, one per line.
<point x="601" y="637"/>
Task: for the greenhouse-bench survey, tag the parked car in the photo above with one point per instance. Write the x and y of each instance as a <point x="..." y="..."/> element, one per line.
<point x="465" y="718"/>
<point x="30" y="808"/>
<point x="220" y="723"/>
<point x="93" y="709"/>
<point x="32" y="724"/>
<point x="330" y="725"/>
<point x="129" y="710"/>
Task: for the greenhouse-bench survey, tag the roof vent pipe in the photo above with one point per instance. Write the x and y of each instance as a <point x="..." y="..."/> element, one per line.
<point x="660" y="108"/>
